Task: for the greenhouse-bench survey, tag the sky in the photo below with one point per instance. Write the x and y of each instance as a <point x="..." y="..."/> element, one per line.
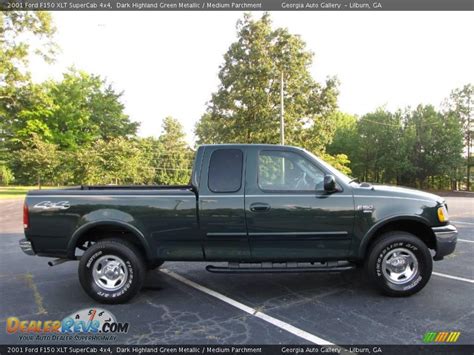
<point x="166" y="63"/>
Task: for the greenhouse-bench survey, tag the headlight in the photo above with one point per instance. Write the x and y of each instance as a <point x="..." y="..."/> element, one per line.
<point x="443" y="214"/>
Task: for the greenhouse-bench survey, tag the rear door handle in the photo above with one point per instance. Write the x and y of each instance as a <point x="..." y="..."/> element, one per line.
<point x="259" y="207"/>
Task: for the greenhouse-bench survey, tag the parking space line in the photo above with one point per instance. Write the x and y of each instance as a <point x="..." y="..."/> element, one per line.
<point x="453" y="277"/>
<point x="252" y="311"/>
<point x="459" y="222"/>
<point x="465" y="240"/>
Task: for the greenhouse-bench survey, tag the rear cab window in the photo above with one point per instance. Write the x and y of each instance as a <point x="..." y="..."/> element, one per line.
<point x="225" y="170"/>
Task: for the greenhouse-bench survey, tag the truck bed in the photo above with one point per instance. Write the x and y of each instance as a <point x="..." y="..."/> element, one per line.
<point x="116" y="190"/>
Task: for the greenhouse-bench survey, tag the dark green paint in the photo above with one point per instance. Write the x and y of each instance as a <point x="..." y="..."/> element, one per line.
<point x="192" y="223"/>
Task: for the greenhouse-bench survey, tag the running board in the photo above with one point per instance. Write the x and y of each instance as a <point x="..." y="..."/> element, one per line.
<point x="330" y="266"/>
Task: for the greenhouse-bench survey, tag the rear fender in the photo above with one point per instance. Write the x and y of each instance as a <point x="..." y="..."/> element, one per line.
<point x="108" y="223"/>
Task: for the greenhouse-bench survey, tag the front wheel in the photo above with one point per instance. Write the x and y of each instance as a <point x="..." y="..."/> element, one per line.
<point x="399" y="264"/>
<point x="112" y="271"/>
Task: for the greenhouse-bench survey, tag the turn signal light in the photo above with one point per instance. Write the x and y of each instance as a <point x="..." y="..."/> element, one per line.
<point x="443" y="214"/>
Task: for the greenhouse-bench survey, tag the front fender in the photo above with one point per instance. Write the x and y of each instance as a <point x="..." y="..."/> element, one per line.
<point x="372" y="232"/>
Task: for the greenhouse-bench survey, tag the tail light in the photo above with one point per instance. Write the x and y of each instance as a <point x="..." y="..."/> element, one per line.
<point x="26" y="217"/>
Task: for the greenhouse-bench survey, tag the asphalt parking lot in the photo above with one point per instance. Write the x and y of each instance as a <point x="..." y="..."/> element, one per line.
<point x="184" y="304"/>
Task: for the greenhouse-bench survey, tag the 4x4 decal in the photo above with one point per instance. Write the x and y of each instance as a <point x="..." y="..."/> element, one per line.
<point x="48" y="205"/>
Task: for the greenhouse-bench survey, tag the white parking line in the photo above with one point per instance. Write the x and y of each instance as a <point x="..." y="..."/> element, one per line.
<point x="468" y="223"/>
<point x="254" y="312"/>
<point x="453" y="277"/>
<point x="465" y="240"/>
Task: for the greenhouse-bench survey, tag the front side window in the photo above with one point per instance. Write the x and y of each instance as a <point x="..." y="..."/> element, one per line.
<point x="287" y="171"/>
<point x="225" y="170"/>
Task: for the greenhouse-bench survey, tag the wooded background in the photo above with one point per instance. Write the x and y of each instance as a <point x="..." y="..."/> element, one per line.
<point x="74" y="131"/>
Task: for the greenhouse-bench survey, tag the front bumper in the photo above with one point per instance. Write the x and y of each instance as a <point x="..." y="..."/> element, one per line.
<point x="446" y="238"/>
<point x="26" y="247"/>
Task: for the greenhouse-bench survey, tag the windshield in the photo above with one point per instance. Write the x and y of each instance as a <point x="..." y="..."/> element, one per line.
<point x="343" y="177"/>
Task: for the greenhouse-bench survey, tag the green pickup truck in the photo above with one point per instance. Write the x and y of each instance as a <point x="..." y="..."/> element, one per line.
<point x="252" y="208"/>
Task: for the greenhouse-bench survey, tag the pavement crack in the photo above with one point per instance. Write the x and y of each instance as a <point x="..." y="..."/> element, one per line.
<point x="36" y="294"/>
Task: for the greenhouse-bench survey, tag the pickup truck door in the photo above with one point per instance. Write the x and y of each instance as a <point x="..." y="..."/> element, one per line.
<point x="289" y="215"/>
<point x="221" y="204"/>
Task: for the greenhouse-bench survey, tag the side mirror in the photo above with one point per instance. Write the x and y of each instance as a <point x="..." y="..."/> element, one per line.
<point x="329" y="183"/>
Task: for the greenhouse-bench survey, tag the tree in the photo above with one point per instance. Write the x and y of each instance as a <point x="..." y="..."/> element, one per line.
<point x="345" y="142"/>
<point x="435" y="141"/>
<point x="172" y="157"/>
<point x="460" y="105"/>
<point x="6" y="175"/>
<point x="345" y="134"/>
<point x="16" y="29"/>
<point x="245" y="108"/>
<point x="37" y="162"/>
<point x="116" y="161"/>
<point x="76" y="111"/>
<point x="380" y="146"/>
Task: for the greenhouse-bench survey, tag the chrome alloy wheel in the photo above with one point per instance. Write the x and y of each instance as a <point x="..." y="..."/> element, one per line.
<point x="399" y="266"/>
<point x="110" y="272"/>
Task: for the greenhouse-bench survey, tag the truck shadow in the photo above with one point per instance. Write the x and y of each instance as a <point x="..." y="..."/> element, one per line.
<point x="266" y="290"/>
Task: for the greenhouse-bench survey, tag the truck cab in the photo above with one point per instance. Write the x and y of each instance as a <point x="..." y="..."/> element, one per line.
<point x="269" y="203"/>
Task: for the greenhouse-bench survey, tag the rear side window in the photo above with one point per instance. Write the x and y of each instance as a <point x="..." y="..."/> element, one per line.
<point x="225" y="170"/>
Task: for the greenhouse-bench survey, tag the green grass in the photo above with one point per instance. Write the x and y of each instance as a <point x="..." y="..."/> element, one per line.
<point x="8" y="192"/>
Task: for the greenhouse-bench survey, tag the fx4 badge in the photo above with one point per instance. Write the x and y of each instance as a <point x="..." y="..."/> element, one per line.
<point x="48" y="205"/>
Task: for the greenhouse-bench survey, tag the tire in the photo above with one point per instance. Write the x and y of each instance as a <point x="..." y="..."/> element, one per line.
<point x="399" y="264"/>
<point x="125" y="271"/>
<point x="155" y="265"/>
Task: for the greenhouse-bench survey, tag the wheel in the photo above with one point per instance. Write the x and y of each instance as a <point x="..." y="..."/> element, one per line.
<point x="155" y="265"/>
<point x="399" y="264"/>
<point x="112" y="271"/>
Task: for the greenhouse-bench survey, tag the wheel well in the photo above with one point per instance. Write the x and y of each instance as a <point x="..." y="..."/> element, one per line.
<point x="419" y="229"/>
<point x="101" y="232"/>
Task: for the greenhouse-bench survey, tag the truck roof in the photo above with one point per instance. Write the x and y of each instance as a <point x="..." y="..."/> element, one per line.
<point x="249" y="145"/>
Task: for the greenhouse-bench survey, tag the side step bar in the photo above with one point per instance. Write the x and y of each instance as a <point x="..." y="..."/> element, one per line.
<point x="274" y="267"/>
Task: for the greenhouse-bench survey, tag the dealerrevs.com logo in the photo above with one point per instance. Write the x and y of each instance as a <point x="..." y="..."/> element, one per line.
<point x="85" y="324"/>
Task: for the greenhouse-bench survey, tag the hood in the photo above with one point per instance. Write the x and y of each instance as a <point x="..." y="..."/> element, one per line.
<point x="396" y="191"/>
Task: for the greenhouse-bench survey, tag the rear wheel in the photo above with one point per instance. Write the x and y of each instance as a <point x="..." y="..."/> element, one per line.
<point x="399" y="264"/>
<point x="112" y="271"/>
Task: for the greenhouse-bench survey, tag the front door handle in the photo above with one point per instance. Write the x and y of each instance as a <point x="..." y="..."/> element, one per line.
<point x="259" y="207"/>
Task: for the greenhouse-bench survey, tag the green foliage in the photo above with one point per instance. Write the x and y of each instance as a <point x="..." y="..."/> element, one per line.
<point x="37" y="162"/>
<point x="170" y="155"/>
<point x="166" y="160"/>
<point x="6" y="175"/>
<point x="116" y="161"/>
<point x="435" y="141"/>
<point x="76" y="111"/>
<point x="345" y="135"/>
<point x="340" y="161"/>
<point x="381" y="151"/>
<point x="412" y="147"/>
<point x="245" y="108"/>
<point x="75" y="130"/>
<point x="16" y="27"/>
<point x="344" y="143"/>
<point x="460" y="106"/>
